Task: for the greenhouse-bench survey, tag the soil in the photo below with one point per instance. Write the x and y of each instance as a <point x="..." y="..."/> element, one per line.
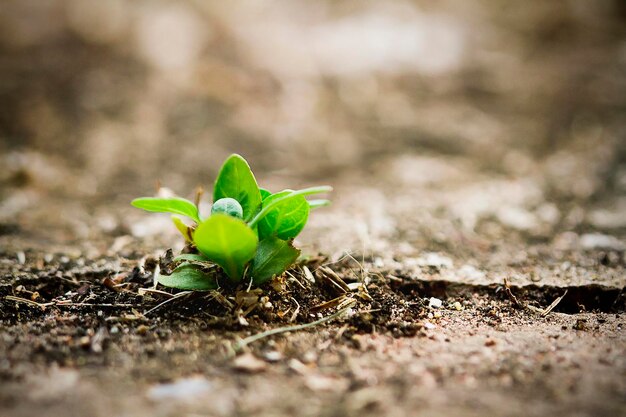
<point x="473" y="261"/>
<point x="79" y="338"/>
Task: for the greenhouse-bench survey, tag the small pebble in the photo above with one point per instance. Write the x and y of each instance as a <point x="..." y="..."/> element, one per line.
<point x="249" y="363"/>
<point x="21" y="257"/>
<point x="595" y="241"/>
<point x="182" y="389"/>
<point x="457" y="306"/>
<point x="273" y="356"/>
<point x="318" y="382"/>
<point x="84" y="341"/>
<point x="309" y="357"/>
<point x="434" y="302"/>
<point x="434" y="260"/>
<point x="428" y="325"/>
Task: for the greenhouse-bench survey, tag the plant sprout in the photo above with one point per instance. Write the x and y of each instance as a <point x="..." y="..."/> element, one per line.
<point x="249" y="233"/>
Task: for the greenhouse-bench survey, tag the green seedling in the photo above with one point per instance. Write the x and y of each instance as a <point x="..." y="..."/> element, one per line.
<point x="249" y="233"/>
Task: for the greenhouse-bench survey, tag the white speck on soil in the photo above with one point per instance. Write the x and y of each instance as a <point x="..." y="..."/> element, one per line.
<point x="182" y="389"/>
<point x="434" y="302"/>
<point x="434" y="260"/>
<point x="249" y="363"/>
<point x="592" y="241"/>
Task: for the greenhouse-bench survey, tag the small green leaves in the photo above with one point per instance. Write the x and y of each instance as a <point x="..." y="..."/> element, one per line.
<point x="236" y="180"/>
<point x="272" y="258"/>
<point x="188" y="277"/>
<point x="228" y="206"/>
<point x="228" y="242"/>
<point x="174" y="205"/>
<point x="286" y="218"/>
<point x="249" y="233"/>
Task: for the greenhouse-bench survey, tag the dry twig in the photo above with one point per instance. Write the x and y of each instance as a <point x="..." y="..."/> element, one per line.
<point x="553" y="305"/>
<point x="251" y="339"/>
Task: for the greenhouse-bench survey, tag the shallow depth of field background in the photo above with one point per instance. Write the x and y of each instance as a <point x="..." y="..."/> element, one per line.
<point x="490" y="119"/>
<point x="470" y="144"/>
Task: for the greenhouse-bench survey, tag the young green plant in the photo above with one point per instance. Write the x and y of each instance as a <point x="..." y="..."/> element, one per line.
<point x="248" y="234"/>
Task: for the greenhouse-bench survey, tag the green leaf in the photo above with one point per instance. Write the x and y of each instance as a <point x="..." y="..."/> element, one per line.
<point x="286" y="218"/>
<point x="265" y="193"/>
<point x="182" y="228"/>
<point x="173" y="205"/>
<point x="191" y="257"/>
<point x="274" y="197"/>
<point x="236" y="180"/>
<point x="269" y="205"/>
<point x="188" y="277"/>
<point x="227" y="241"/>
<point x="313" y="204"/>
<point x="272" y="258"/>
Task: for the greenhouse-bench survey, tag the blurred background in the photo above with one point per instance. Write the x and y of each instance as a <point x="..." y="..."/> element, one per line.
<point x="451" y="125"/>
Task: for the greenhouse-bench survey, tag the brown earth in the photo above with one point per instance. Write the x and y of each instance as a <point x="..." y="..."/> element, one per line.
<point x="489" y="174"/>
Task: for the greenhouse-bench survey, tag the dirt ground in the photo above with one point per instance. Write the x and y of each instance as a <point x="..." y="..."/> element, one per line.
<point x="478" y="158"/>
